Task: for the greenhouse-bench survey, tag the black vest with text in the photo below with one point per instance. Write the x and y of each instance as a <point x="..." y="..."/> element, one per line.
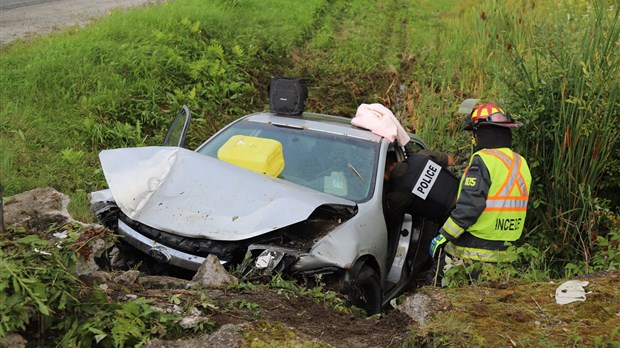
<point x="432" y="187"/>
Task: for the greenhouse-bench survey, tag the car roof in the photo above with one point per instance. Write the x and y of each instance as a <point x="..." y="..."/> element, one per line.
<point x="318" y="122"/>
<point x="321" y="122"/>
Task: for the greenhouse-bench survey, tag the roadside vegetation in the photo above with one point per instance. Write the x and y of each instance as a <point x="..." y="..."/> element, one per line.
<point x="117" y="83"/>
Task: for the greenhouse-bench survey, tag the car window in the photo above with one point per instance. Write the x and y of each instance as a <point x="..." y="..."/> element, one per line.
<point x="414" y="146"/>
<point x="326" y="162"/>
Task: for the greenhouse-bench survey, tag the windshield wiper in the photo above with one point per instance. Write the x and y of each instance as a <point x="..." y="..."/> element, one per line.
<point x="356" y="172"/>
<point x="286" y="125"/>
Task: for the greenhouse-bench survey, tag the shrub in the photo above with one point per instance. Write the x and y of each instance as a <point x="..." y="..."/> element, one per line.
<point x="567" y="93"/>
<point x="40" y="292"/>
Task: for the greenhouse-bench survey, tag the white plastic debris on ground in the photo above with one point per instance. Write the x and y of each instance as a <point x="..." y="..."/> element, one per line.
<point x="61" y="235"/>
<point x="571" y="291"/>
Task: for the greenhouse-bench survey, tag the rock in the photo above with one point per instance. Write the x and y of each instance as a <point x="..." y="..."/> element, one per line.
<point x="228" y="336"/>
<point x="212" y="275"/>
<point x="37" y="209"/>
<point x="127" y="277"/>
<point x="12" y="340"/>
<point x="421" y="306"/>
<point x="96" y="277"/>
<point x="89" y="264"/>
<point x="192" y="319"/>
<point x="116" y="258"/>
<point x="129" y="297"/>
<point x="157" y="343"/>
<point x="163" y="282"/>
<point x="417" y="307"/>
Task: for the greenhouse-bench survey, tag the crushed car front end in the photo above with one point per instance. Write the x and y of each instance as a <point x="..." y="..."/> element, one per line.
<point x="319" y="215"/>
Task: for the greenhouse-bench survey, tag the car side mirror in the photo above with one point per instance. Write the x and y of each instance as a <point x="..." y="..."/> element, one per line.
<point x="178" y="128"/>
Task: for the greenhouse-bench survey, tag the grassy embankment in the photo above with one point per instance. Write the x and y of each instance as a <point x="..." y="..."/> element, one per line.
<point x="117" y="83"/>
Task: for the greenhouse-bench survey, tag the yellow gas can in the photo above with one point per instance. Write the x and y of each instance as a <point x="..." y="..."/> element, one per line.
<point x="261" y="155"/>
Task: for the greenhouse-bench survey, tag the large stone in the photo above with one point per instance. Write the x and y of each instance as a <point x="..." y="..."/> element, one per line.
<point x="96" y="247"/>
<point x="12" y="340"/>
<point x="212" y="274"/>
<point x="127" y="277"/>
<point x="420" y="307"/>
<point x="95" y="278"/>
<point x="228" y="336"/>
<point x="163" y="282"/>
<point x="37" y="209"/>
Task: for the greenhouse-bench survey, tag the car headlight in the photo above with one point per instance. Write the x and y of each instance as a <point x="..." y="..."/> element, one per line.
<point x="268" y="260"/>
<point x="264" y="259"/>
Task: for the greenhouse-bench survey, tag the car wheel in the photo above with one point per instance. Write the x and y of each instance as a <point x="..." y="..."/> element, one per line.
<point x="365" y="290"/>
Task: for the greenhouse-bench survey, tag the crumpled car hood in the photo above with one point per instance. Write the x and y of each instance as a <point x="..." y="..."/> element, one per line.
<point x="183" y="192"/>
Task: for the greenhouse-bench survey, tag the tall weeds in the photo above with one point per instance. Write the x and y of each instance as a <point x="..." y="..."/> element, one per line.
<point x="554" y="66"/>
<point x="567" y="92"/>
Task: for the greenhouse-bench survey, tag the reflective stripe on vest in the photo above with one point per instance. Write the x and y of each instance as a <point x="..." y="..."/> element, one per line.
<point x="451" y="228"/>
<point x="506" y="204"/>
<point x="503" y="200"/>
<point x="477" y="253"/>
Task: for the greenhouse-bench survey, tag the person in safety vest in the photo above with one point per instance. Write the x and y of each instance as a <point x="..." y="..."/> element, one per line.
<point x="492" y="199"/>
<point x="400" y="178"/>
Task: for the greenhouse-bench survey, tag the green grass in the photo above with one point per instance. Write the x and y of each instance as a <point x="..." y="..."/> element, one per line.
<point x="119" y="82"/>
<point x="521" y="314"/>
<point x="457" y="52"/>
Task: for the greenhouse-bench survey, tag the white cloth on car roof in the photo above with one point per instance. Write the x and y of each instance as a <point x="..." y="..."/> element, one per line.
<point x="381" y="121"/>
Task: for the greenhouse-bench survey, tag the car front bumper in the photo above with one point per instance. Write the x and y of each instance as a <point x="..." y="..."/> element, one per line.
<point x="158" y="251"/>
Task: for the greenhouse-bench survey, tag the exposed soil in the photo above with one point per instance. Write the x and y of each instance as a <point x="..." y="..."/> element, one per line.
<point x="307" y="318"/>
<point x="269" y="308"/>
<point x="495" y="314"/>
<point x="276" y="310"/>
<point x="262" y="310"/>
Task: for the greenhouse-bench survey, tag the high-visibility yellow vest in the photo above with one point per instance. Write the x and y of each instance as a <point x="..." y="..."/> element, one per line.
<point x="506" y="205"/>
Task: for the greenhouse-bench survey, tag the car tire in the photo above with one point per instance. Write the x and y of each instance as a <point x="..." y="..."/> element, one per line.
<point x="365" y="290"/>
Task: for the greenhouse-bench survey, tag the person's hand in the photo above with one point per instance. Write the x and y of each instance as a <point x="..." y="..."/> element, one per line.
<point x="436" y="244"/>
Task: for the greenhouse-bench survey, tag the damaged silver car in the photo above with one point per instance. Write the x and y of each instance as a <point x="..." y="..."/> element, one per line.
<point x="318" y="213"/>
